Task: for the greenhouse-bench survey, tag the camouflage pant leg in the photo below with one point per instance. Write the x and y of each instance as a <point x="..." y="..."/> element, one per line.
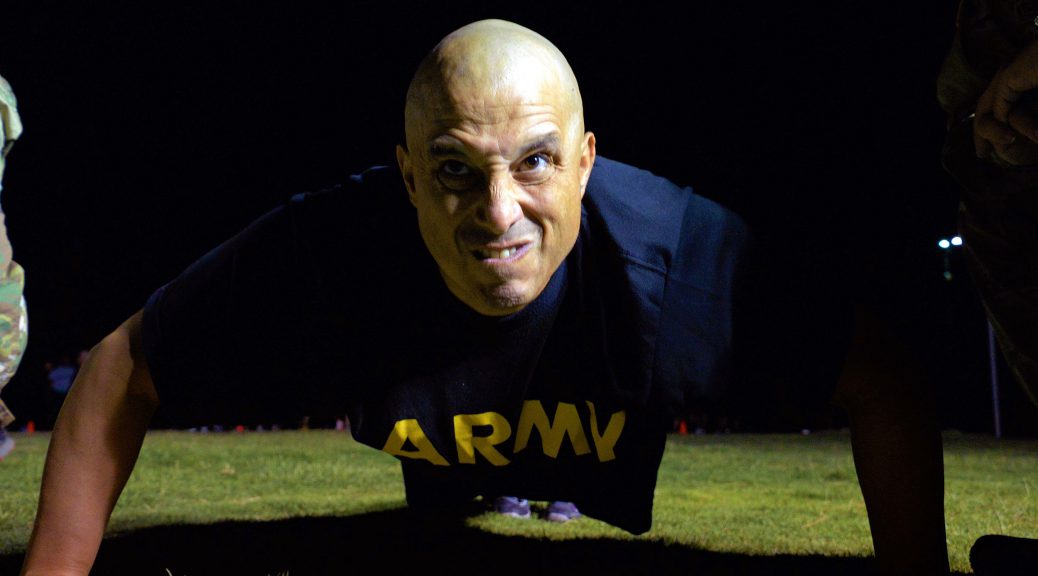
<point x="6" y="417"/>
<point x="14" y="326"/>
<point x="14" y="329"/>
<point x="998" y="211"/>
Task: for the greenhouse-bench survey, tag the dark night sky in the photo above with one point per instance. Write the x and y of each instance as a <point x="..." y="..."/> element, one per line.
<point x="154" y="133"/>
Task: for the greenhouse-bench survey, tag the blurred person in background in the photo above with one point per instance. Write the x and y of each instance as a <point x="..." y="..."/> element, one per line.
<point x="988" y="86"/>
<point x="14" y="327"/>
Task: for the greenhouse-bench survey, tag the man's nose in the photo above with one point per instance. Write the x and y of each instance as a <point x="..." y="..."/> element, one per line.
<point x="500" y="207"/>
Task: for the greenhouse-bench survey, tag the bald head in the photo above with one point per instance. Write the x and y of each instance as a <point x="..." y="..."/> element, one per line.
<point x="491" y="62"/>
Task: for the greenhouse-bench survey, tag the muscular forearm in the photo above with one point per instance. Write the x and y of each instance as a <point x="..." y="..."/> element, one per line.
<point x="93" y="449"/>
<point x="897" y="449"/>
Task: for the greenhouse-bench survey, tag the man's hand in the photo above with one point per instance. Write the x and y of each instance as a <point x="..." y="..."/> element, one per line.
<point x="1005" y="122"/>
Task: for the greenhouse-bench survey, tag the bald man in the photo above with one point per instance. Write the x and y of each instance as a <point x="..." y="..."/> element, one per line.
<point x="533" y="332"/>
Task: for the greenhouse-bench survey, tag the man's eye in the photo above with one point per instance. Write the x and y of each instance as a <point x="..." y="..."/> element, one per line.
<point x="456" y="175"/>
<point x="535" y="162"/>
<point x="535" y="169"/>
<point x="455" y="169"/>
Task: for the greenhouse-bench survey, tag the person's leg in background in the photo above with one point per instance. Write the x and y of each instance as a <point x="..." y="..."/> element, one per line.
<point x="14" y="328"/>
<point x="994" y="49"/>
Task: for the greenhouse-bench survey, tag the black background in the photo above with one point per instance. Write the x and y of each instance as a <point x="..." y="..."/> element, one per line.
<point x="154" y="133"/>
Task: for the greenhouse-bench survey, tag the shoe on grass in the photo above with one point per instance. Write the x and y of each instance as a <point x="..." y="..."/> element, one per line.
<point x="512" y="506"/>
<point x="562" y="512"/>
<point x="999" y="555"/>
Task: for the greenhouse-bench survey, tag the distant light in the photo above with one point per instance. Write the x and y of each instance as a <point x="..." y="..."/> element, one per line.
<point x="944" y="244"/>
<point x="957" y="241"/>
<point x="947" y="275"/>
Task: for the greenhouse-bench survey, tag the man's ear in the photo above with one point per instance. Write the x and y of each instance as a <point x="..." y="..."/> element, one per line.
<point x="587" y="160"/>
<point x="403" y="160"/>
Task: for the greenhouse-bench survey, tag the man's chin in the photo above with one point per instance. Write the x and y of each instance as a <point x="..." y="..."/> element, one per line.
<point x="497" y="299"/>
<point x="503" y="299"/>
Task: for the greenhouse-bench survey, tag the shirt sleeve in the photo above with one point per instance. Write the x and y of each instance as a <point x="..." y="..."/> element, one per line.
<point x="696" y="332"/>
<point x="225" y="338"/>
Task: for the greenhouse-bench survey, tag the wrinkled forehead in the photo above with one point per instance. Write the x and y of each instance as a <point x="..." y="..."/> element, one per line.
<point x="506" y="114"/>
<point x="492" y="102"/>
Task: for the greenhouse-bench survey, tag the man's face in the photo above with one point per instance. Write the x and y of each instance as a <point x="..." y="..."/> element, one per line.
<point x="497" y="177"/>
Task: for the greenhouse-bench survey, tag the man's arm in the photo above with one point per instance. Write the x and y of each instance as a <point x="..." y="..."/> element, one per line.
<point x="897" y="447"/>
<point x="93" y="449"/>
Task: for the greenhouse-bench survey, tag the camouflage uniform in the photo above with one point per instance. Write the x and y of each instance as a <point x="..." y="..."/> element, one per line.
<point x="13" y="316"/>
<point x="998" y="211"/>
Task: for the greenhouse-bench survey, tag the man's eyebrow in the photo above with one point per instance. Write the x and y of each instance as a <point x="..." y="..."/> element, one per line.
<point x="550" y="141"/>
<point x="441" y="148"/>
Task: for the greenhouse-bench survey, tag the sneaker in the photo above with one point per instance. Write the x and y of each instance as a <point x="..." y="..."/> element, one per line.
<point x="562" y="512"/>
<point x="6" y="445"/>
<point x="512" y="506"/>
<point x="998" y="555"/>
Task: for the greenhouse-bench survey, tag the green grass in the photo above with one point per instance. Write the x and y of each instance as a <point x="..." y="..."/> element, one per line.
<point x="745" y="494"/>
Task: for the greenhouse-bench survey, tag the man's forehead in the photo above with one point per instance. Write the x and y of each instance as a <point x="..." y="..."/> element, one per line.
<point x="487" y="110"/>
<point x="506" y="125"/>
<point x="452" y="143"/>
<point x="482" y="110"/>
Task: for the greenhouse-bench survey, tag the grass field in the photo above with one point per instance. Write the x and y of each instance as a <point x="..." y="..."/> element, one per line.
<point x="770" y="501"/>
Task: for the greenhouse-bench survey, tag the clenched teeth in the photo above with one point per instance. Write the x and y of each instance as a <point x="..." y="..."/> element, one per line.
<point x="497" y="254"/>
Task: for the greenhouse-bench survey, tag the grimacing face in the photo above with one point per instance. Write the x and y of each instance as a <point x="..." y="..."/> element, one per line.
<point x="497" y="176"/>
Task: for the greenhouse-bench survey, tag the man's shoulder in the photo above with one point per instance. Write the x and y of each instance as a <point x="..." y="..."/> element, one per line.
<point x="369" y="180"/>
<point x="618" y="186"/>
<point x="357" y="205"/>
<point x="613" y="181"/>
<point x="649" y="217"/>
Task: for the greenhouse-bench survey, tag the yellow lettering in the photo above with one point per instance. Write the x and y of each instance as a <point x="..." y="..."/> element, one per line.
<point x="604" y="444"/>
<point x="566" y="423"/>
<point x="405" y="430"/>
<point x="468" y="444"/>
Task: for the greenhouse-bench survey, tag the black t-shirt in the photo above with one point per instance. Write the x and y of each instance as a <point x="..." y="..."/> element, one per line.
<point x="331" y="304"/>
